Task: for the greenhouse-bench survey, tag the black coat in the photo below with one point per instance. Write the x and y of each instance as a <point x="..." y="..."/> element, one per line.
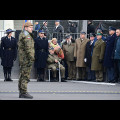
<point x="88" y="53"/>
<point x="58" y="33"/>
<point x="8" y="51"/>
<point x="90" y="29"/>
<point x="108" y="61"/>
<point x="41" y="52"/>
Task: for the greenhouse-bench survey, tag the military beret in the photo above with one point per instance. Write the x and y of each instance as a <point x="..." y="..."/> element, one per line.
<point x="27" y="24"/>
<point x="112" y="28"/>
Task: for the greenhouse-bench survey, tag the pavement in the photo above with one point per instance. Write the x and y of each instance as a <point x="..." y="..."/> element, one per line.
<point x="70" y="90"/>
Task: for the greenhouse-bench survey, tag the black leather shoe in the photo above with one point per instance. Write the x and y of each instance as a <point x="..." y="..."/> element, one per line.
<point x="63" y="80"/>
<point x="25" y="95"/>
<point x="54" y="80"/>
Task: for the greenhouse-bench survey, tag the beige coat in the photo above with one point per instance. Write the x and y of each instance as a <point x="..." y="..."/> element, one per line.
<point x="79" y="51"/>
<point x="98" y="53"/>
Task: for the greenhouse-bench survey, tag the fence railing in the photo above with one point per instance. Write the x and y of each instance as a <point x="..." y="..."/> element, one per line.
<point x="74" y="35"/>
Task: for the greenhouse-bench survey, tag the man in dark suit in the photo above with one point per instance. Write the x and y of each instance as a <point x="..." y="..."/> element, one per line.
<point x="41" y="55"/>
<point x="58" y="32"/>
<point x="8" y="53"/>
<point x="88" y="57"/>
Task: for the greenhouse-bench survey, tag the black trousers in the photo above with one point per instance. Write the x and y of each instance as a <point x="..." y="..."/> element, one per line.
<point x="7" y="70"/>
<point x="40" y="71"/>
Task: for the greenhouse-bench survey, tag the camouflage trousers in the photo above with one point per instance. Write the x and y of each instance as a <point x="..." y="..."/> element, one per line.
<point x="24" y="78"/>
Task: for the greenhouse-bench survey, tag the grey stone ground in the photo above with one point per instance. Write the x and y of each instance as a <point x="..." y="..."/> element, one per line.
<point x="71" y="90"/>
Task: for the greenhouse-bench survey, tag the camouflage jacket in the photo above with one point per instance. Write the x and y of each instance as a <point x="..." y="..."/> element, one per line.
<point x="51" y="59"/>
<point x="26" y="48"/>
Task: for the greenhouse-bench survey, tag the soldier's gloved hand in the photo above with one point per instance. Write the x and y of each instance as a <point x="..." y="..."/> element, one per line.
<point x="85" y="60"/>
<point x="100" y="61"/>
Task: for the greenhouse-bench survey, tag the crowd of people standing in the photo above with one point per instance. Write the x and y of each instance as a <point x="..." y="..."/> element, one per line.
<point x="93" y="58"/>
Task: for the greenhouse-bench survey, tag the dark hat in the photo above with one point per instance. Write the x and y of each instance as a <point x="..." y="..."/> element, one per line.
<point x="112" y="28"/>
<point x="92" y="35"/>
<point x="9" y="31"/>
<point x="99" y="34"/>
<point x="67" y="36"/>
<point x="41" y="31"/>
<point x="82" y="32"/>
<point x="57" y="20"/>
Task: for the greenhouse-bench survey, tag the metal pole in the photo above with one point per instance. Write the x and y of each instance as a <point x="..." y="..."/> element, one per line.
<point x="59" y="72"/>
<point x="84" y="26"/>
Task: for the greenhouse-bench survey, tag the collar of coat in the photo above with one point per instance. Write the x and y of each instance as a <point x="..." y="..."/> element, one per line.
<point x="85" y="39"/>
<point x="98" y="41"/>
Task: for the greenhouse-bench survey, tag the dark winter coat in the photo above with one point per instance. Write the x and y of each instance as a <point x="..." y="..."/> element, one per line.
<point x="108" y="61"/>
<point x="41" y="52"/>
<point x="8" y="51"/>
<point x="88" y="53"/>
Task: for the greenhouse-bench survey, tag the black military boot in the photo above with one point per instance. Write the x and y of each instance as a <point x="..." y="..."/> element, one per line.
<point x="25" y="95"/>
<point x="5" y="76"/>
<point x="9" y="78"/>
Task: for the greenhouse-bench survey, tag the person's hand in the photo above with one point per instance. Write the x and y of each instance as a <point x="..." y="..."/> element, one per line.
<point x="56" y="61"/>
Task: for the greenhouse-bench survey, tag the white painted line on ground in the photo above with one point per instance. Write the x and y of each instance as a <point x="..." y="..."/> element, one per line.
<point x="98" y="83"/>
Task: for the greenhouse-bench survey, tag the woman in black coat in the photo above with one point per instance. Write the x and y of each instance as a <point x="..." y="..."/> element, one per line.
<point x="41" y="55"/>
<point x="8" y="53"/>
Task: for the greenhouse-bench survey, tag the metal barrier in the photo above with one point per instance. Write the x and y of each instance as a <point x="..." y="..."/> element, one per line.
<point x="61" y="36"/>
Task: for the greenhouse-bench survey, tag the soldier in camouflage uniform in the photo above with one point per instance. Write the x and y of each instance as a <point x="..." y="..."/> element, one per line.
<point x="26" y="58"/>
